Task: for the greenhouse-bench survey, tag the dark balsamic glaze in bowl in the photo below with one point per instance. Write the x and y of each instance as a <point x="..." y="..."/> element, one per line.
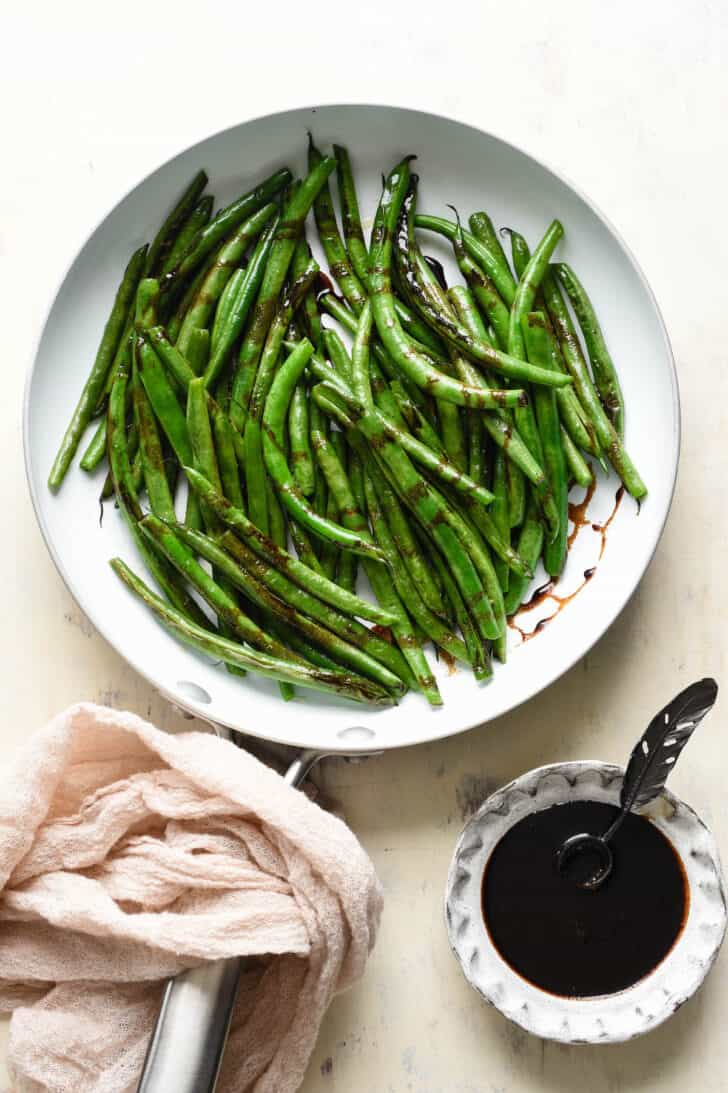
<point x="574" y="942"/>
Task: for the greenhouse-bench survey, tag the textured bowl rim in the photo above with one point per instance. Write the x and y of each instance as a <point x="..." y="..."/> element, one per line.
<point x="605" y="1019"/>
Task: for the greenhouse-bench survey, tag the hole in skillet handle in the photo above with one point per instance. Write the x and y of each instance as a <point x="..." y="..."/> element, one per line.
<point x="194" y="692"/>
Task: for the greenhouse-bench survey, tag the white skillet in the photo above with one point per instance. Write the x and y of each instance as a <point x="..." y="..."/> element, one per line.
<point x="457" y="164"/>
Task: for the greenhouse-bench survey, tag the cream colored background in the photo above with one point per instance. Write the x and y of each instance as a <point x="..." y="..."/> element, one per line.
<point x="628" y="100"/>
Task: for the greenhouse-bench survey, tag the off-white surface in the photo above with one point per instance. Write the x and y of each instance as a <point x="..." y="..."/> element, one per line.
<point x="628" y="101"/>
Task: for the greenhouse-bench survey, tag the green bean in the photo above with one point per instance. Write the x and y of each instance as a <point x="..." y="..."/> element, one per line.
<point x="360" y="359"/>
<point x="347" y="564"/>
<point x="96" y="449"/>
<point x="274" y="414"/>
<point x="531" y="276"/>
<point x="528" y="285"/>
<point x="499" y="425"/>
<point x="242" y="303"/>
<point x="530" y="545"/>
<point x="500" y="511"/>
<point x="482" y="228"/>
<point x="383" y="586"/>
<point x="605" y="376"/>
<point x="501" y="430"/>
<point x="299" y="440"/>
<point x="340" y="265"/>
<point x="175" y="363"/>
<point x="194" y="223"/>
<point x="225" y="305"/>
<point x="413" y="325"/>
<point x="399" y="407"/>
<point x="96" y="381"/>
<point x="461" y="301"/>
<point x="226" y="460"/>
<point x="276" y="517"/>
<point x="571" y="411"/>
<point x="175" y="304"/>
<point x="146" y="302"/>
<point x="290" y="301"/>
<point x="338" y="309"/>
<point x="329" y="554"/>
<point x="155" y="477"/>
<point x="516" y="485"/>
<point x="226" y="221"/>
<point x="281" y="253"/>
<point x="350" y="217"/>
<point x="164" y="402"/>
<point x="259" y="591"/>
<point x="379" y="430"/>
<point x="415" y="272"/>
<point x="541" y="346"/>
<point x="319" y="497"/>
<point x="228" y="259"/>
<point x="295" y="570"/>
<point x="414" y="268"/>
<point x="168" y="232"/>
<point x="255" y="468"/>
<point x="607" y="436"/>
<point x="415" y="365"/>
<point x="181" y="557"/>
<point x="407" y="591"/>
<point x="337" y="354"/>
<point x="199" y="431"/>
<point x="128" y="503"/>
<point x="302" y="256"/>
<point x="407" y="545"/>
<point x="460" y="337"/>
<point x="469" y="535"/>
<point x="347" y="569"/>
<point x="481" y="666"/>
<point x="476" y="452"/>
<point x="489" y="262"/>
<point x="119" y="462"/>
<point x="427" y="506"/>
<point x="303" y="546"/>
<point x="344" y="684"/>
<point x="132" y="444"/>
<point x="520" y="251"/>
<point x="198" y="349"/>
<point x="578" y="467"/>
<point x="483" y="289"/>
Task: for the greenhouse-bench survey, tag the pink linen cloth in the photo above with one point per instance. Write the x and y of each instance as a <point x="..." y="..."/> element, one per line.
<point x="128" y="854"/>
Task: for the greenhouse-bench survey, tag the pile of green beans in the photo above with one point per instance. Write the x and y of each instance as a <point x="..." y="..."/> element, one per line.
<point x="268" y="438"/>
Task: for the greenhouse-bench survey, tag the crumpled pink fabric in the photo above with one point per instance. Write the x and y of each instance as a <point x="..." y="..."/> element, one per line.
<point x="128" y="854"/>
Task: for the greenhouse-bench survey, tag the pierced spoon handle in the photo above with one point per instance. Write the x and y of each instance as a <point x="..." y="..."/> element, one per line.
<point x="659" y="747"/>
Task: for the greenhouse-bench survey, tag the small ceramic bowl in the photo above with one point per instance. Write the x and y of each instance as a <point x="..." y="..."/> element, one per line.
<point x="607" y="1018"/>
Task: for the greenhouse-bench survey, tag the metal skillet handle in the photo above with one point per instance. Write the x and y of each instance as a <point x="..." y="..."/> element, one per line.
<point x="187" y="1045"/>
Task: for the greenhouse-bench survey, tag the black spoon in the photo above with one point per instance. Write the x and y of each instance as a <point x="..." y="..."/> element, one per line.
<point x="651" y="761"/>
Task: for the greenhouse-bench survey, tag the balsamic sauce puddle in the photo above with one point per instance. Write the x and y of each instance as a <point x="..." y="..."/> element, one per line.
<point x="578" y="517"/>
<point x="572" y="942"/>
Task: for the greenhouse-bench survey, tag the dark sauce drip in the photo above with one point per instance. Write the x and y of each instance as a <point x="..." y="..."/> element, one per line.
<point x="438" y="269"/>
<point x="382" y="632"/>
<point x="603" y="528"/>
<point x="570" y="941"/>
<point x="546" y="592"/>
<point x="578" y="516"/>
<point x="578" y="513"/>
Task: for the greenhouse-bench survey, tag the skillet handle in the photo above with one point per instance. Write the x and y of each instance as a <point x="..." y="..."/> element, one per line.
<point x="188" y="1042"/>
